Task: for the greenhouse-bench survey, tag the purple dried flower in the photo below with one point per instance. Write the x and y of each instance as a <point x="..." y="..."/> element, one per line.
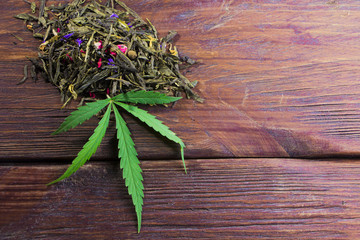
<point x="114" y="15"/>
<point x="111" y="62"/>
<point x="79" y="41"/>
<point x="68" y="35"/>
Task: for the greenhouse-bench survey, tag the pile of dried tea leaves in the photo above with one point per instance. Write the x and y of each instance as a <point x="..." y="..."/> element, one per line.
<point x="91" y="50"/>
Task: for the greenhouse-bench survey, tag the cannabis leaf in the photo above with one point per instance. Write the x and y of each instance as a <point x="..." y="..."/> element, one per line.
<point x="130" y="165"/>
<point x="89" y="148"/>
<point x="81" y="115"/>
<point x="145" y="97"/>
<point x="129" y="162"/>
<point x="154" y="123"/>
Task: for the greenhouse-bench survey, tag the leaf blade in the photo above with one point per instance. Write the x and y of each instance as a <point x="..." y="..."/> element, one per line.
<point x="89" y="148"/>
<point x="130" y="164"/>
<point x="155" y="124"/>
<point x="82" y="114"/>
<point x="144" y="97"/>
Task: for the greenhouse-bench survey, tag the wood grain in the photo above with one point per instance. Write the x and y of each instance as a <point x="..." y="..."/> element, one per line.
<point x="280" y="79"/>
<point x="281" y="82"/>
<point x="218" y="199"/>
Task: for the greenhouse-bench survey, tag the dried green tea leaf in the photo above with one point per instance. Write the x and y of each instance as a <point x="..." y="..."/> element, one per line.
<point x="33" y="7"/>
<point x="18" y="38"/>
<point x="25" y="16"/>
<point x="25" y="75"/>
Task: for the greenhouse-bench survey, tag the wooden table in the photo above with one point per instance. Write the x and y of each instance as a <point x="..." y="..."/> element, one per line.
<point x="272" y="152"/>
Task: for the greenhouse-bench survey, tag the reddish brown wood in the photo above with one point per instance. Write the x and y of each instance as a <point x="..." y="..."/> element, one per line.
<point x="218" y="199"/>
<point x="280" y="79"/>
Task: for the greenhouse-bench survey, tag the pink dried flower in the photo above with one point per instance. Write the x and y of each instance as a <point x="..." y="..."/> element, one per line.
<point x="69" y="57"/>
<point x="98" y="44"/>
<point x="123" y="48"/>
<point x="92" y="95"/>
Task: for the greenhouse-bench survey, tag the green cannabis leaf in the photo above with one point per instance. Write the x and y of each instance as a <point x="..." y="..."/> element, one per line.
<point x="145" y="97"/>
<point x="154" y="123"/>
<point x="130" y="165"/>
<point x="81" y="115"/>
<point x="89" y="148"/>
<point x="129" y="162"/>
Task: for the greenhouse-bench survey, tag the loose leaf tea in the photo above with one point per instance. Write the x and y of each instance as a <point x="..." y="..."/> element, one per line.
<point x="91" y="50"/>
<point x="108" y="55"/>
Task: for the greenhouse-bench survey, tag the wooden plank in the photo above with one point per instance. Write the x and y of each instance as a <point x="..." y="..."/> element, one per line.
<point x="218" y="199"/>
<point x="280" y="79"/>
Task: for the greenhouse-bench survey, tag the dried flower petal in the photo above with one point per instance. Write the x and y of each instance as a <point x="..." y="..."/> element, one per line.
<point x="98" y="44"/>
<point x="92" y="95"/>
<point x="111" y="62"/>
<point x="69" y="57"/>
<point x="68" y="35"/>
<point x="122" y="48"/>
<point x="79" y="41"/>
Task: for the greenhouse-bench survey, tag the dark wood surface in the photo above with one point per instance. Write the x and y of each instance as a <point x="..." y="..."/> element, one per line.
<point x="281" y="83"/>
<point x="222" y="199"/>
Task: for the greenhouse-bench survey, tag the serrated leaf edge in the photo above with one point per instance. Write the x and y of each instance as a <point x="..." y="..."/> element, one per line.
<point x="158" y="127"/>
<point x="123" y="134"/>
<point x="145" y="97"/>
<point x="89" y="147"/>
<point x="73" y="119"/>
